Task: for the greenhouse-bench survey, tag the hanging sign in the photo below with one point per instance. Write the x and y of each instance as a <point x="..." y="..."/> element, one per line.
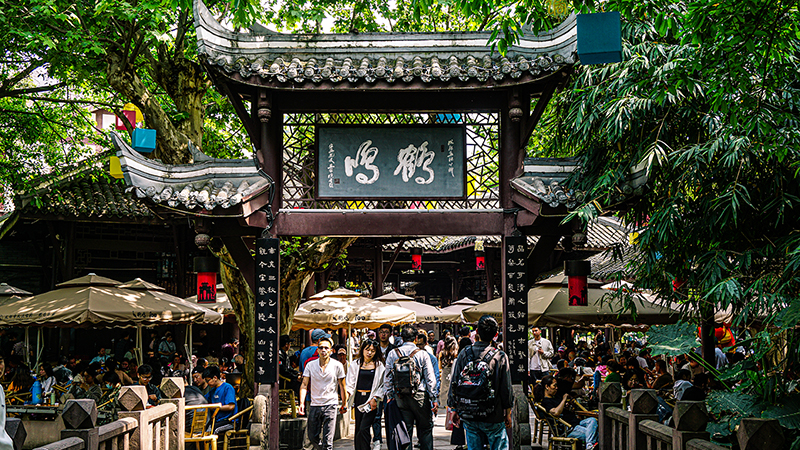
<point x="515" y="323"/>
<point x="267" y="311"/>
<point x="408" y="162"/>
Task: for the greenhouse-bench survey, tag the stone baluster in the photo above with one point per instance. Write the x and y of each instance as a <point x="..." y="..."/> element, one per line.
<point x="173" y="390"/>
<point x="80" y="420"/>
<point x="760" y="434"/>
<point x="644" y="406"/>
<point x="133" y="404"/>
<point x="16" y="430"/>
<point x="610" y="397"/>
<point x="690" y="423"/>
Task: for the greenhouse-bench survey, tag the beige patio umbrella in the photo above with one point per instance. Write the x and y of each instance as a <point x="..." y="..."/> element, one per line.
<point x="459" y="306"/>
<point x="91" y="300"/>
<point x="223" y="304"/>
<point x="548" y="306"/>
<point x="149" y="289"/>
<point x="351" y="312"/>
<point x="425" y="313"/>
<point x="10" y="291"/>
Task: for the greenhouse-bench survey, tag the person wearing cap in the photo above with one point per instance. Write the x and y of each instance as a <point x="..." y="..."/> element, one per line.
<point x="292" y="376"/>
<point x="493" y="429"/>
<point x="323" y="376"/>
<point x="310" y="353"/>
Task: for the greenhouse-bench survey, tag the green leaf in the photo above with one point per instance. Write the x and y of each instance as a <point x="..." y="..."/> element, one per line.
<point x="787" y="411"/>
<point x="672" y="340"/>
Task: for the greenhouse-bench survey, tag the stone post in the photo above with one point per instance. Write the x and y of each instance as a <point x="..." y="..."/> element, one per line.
<point x="644" y="406"/>
<point x="16" y="430"/>
<point x="173" y="390"/>
<point x="690" y="423"/>
<point x="760" y="434"/>
<point x="521" y="439"/>
<point x="133" y="402"/>
<point x="610" y="397"/>
<point x="80" y="418"/>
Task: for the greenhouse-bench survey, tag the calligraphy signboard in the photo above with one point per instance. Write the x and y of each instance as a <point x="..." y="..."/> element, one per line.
<point x="267" y="312"/>
<point x="413" y="162"/>
<point x="515" y="323"/>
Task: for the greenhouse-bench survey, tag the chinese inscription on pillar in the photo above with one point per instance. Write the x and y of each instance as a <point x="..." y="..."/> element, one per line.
<point x="267" y="312"/>
<point x="516" y="320"/>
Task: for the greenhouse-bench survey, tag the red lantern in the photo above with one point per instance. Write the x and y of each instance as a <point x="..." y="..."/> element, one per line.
<point x="480" y="256"/>
<point x="577" y="271"/>
<point x="416" y="258"/>
<point x="206" y="268"/>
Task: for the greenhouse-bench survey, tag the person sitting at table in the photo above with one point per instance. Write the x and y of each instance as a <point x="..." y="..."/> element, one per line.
<point x="145" y="373"/>
<point x="585" y="430"/>
<point x="111" y="367"/>
<point x="47" y="378"/>
<point x="89" y="389"/>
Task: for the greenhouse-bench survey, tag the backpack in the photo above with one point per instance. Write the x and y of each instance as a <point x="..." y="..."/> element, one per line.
<point x="405" y="374"/>
<point x="473" y="388"/>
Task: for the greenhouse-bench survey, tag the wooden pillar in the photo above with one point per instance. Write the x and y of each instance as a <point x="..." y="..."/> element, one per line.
<point x="377" y="269"/>
<point x="270" y="123"/>
<point x="490" y="264"/>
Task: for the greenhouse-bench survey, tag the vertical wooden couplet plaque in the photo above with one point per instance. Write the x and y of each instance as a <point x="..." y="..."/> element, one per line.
<point x="267" y="312"/>
<point x="515" y="322"/>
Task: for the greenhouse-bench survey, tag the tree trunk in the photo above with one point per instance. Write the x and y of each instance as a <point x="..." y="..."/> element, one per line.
<point x="186" y="84"/>
<point x="171" y="144"/>
<point x="243" y="303"/>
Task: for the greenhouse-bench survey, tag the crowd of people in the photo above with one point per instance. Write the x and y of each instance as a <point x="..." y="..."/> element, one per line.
<point x="403" y="377"/>
<point x="101" y="377"/>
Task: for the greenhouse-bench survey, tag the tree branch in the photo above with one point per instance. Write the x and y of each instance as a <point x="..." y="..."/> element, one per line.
<point x="21" y="92"/>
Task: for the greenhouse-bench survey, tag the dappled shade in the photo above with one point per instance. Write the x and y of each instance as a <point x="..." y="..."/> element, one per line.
<point x="548" y="305"/>
<point x="159" y="293"/>
<point x="356" y="312"/>
<point x="90" y="300"/>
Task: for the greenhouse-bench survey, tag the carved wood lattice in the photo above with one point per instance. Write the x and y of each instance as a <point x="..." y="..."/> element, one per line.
<point x="483" y="132"/>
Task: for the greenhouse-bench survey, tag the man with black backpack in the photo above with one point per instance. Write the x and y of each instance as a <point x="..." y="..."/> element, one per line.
<point x="410" y="381"/>
<point x="480" y="391"/>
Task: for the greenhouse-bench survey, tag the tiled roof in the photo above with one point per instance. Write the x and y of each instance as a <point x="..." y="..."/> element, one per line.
<point x="602" y="233"/>
<point x="544" y="179"/>
<point x="448" y="57"/>
<point x="86" y="196"/>
<point x="206" y="184"/>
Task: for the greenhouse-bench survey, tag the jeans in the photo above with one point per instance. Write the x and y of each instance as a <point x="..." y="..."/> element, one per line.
<point x="418" y="410"/>
<point x="376" y="426"/>
<point x="322" y="419"/>
<point x="585" y="431"/>
<point x="480" y="432"/>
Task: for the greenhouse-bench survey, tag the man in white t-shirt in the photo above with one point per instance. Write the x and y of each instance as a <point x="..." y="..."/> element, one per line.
<point x="324" y="375"/>
<point x="540" y="350"/>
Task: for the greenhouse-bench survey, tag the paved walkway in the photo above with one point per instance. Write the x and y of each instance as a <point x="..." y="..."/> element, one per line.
<point x="441" y="437"/>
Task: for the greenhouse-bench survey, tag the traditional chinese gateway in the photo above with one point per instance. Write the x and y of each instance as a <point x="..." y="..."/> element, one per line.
<point x="380" y="135"/>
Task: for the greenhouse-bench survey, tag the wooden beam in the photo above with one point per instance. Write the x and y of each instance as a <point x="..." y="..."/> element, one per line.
<point x="238" y="106"/>
<point x="538" y="111"/>
<point x="392" y="260"/>
<point x="388" y="101"/>
<point x="382" y="223"/>
<point x="244" y="260"/>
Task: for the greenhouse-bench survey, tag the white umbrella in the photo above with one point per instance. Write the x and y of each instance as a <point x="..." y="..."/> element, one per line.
<point x="223" y="304"/>
<point x="425" y="313"/>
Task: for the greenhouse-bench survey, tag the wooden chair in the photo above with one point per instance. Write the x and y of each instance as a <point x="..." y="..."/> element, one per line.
<point x="239" y="437"/>
<point x="199" y="431"/>
<point x="286" y="400"/>
<point x="557" y="427"/>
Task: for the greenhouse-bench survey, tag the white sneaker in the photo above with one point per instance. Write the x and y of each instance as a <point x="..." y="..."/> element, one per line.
<point x="376" y="445"/>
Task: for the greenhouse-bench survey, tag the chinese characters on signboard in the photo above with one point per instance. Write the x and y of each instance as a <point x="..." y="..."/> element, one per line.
<point x="516" y="320"/>
<point x="416" y="162"/>
<point x="267" y="324"/>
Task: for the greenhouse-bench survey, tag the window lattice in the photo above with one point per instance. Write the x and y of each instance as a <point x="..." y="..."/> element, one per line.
<point x="482" y="140"/>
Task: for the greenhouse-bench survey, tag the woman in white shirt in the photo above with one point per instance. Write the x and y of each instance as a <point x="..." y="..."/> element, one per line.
<point x="364" y="384"/>
<point x="46" y="378"/>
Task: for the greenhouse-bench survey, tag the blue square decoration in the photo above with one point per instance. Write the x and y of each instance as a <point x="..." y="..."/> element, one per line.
<point x="599" y="38"/>
<point x="144" y="140"/>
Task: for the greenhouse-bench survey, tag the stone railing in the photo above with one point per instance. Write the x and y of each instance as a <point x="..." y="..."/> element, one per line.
<point x="138" y="428"/>
<point x="619" y="429"/>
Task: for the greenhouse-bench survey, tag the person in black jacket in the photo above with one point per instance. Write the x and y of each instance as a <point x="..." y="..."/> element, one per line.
<point x="492" y="427"/>
<point x="294" y="377"/>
